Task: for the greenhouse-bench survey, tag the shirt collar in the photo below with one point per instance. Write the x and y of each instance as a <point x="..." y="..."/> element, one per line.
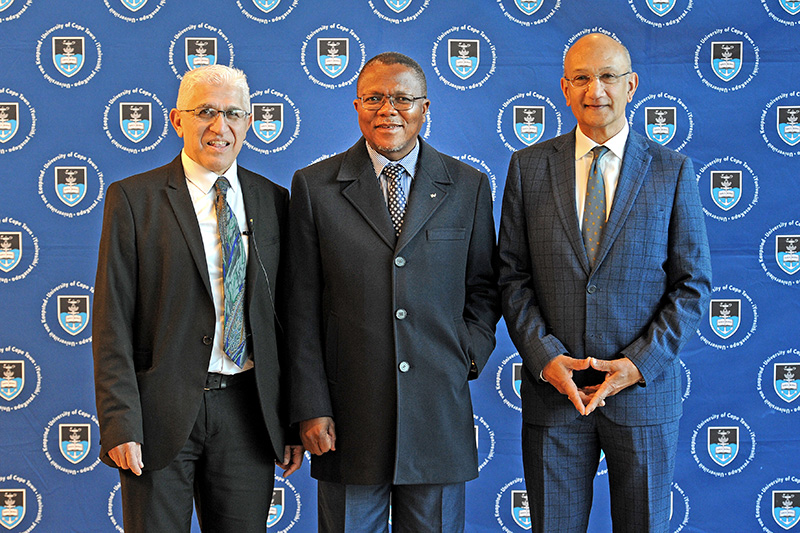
<point x="616" y="144"/>
<point x="409" y="162"/>
<point x="204" y="179"/>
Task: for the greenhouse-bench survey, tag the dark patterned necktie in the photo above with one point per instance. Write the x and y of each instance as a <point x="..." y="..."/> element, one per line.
<point x="234" y="263"/>
<point x="594" y="209"/>
<point x="397" y="198"/>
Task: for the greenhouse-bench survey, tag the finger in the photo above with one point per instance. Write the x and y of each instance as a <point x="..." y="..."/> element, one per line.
<point x="135" y="461"/>
<point x="332" y="438"/>
<point x="597" y="398"/>
<point x="575" y="398"/>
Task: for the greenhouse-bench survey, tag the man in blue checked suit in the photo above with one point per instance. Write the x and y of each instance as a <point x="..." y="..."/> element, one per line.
<point x="605" y="273"/>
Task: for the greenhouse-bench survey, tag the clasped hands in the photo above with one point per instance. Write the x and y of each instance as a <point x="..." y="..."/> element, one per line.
<point x="620" y="374"/>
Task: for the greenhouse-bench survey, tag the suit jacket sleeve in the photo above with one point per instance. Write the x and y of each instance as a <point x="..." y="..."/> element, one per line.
<point x="310" y="396"/>
<point x="116" y="390"/>
<point x="481" y="309"/>
<point x="526" y="325"/>
<point x="688" y="270"/>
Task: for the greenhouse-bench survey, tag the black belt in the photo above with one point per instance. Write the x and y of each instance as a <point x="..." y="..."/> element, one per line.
<point x="223" y="381"/>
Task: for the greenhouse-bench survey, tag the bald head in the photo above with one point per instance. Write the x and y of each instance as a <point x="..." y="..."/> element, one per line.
<point x="598" y="43"/>
<point x="598" y="84"/>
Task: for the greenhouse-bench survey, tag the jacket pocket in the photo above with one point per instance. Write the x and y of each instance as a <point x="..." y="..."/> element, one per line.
<point x="447" y="234"/>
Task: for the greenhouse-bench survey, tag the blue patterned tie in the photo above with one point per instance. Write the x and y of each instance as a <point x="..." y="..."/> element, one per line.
<point x="234" y="263"/>
<point x="594" y="209"/>
<point x="397" y="198"/>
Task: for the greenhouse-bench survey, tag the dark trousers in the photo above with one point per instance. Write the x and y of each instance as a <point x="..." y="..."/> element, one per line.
<point x="414" y="508"/>
<point x="226" y="467"/>
<point x="561" y="462"/>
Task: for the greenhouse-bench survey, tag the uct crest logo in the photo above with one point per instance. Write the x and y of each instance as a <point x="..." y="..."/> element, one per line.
<point x="398" y="5"/>
<point x="68" y="56"/>
<point x="12" y="379"/>
<point x="788" y="126"/>
<point x="520" y="508"/>
<point x="529" y="7"/>
<point x="464" y="56"/>
<point x="267" y="121"/>
<point x="786" y="253"/>
<point x="724" y="317"/>
<point x="200" y="52"/>
<point x="660" y="124"/>
<point x="70" y="184"/>
<point x="333" y="55"/>
<point x="529" y="123"/>
<point x="791" y="6"/>
<point x="726" y="59"/>
<point x="9" y="120"/>
<point x="266" y="5"/>
<point x="73" y="313"/>
<point x="135" y="120"/>
<point x="726" y="188"/>
<point x="786" y="507"/>
<point x="785" y="381"/>
<point x="10" y="250"/>
<point x="276" y="506"/>
<point x="660" y="7"/>
<point x="134" y="5"/>
<point x="723" y="444"/>
<point x="74" y="441"/>
<point x="13" y="501"/>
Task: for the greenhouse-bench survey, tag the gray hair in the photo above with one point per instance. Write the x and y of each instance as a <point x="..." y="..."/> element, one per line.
<point x="217" y="75"/>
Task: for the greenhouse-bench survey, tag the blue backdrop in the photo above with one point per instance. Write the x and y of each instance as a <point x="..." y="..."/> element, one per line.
<point x="85" y="89"/>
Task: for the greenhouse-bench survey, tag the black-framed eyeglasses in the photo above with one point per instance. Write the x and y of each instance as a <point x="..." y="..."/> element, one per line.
<point x="209" y="114"/>
<point x="582" y="80"/>
<point x="401" y="102"/>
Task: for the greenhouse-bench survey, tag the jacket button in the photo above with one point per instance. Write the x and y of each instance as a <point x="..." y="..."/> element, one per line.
<point x="207" y="340"/>
<point x="400" y="261"/>
<point x="591" y="289"/>
<point x="404" y="366"/>
<point x="400" y="314"/>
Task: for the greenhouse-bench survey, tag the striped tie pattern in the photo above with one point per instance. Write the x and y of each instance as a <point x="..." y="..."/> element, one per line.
<point x="234" y="263"/>
<point x="594" y="210"/>
<point x="397" y="198"/>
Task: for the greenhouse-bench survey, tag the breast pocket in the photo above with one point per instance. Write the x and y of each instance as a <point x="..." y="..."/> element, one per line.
<point x="447" y="234"/>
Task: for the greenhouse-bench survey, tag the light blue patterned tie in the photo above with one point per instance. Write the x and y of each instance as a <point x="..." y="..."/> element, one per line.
<point x="594" y="209"/>
<point x="397" y="198"/>
<point x="234" y="263"/>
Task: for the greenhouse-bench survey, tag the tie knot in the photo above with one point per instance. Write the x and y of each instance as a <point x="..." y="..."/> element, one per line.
<point x="599" y="151"/>
<point x="392" y="170"/>
<point x="222" y="185"/>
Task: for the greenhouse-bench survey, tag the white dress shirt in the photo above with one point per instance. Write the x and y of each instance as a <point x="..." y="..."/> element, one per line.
<point x="201" y="188"/>
<point x="609" y="165"/>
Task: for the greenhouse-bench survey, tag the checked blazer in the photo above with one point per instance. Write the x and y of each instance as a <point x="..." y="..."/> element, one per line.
<point x="644" y="297"/>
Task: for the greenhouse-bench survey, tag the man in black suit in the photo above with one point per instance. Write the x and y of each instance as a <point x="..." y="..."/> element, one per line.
<point x="185" y="334"/>
<point x="392" y="309"/>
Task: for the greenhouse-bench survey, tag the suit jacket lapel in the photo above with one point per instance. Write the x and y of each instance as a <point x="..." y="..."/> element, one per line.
<point x="562" y="176"/>
<point x="181" y="202"/>
<point x="255" y="210"/>
<point x="632" y="175"/>
<point x="361" y="188"/>
<point x="428" y="191"/>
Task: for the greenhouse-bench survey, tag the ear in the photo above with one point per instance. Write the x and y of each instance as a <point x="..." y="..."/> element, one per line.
<point x="565" y="90"/>
<point x="175" y="120"/>
<point x="633" y="83"/>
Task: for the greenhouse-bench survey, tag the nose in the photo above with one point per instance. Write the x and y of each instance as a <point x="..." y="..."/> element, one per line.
<point x="387" y="108"/>
<point x="219" y="123"/>
<point x="595" y="87"/>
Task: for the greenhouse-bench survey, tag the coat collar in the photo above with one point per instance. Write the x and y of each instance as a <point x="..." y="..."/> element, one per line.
<point x="633" y="173"/>
<point x="363" y="191"/>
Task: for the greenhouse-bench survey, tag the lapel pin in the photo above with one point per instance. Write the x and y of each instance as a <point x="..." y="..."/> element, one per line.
<point x="433" y="195"/>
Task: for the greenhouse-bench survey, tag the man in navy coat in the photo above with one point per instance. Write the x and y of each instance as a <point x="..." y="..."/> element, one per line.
<point x="392" y="309"/>
<point x="605" y="273"/>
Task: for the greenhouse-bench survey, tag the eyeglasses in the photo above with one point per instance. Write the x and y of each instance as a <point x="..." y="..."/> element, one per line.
<point x="209" y="114"/>
<point x="582" y="80"/>
<point x="401" y="102"/>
